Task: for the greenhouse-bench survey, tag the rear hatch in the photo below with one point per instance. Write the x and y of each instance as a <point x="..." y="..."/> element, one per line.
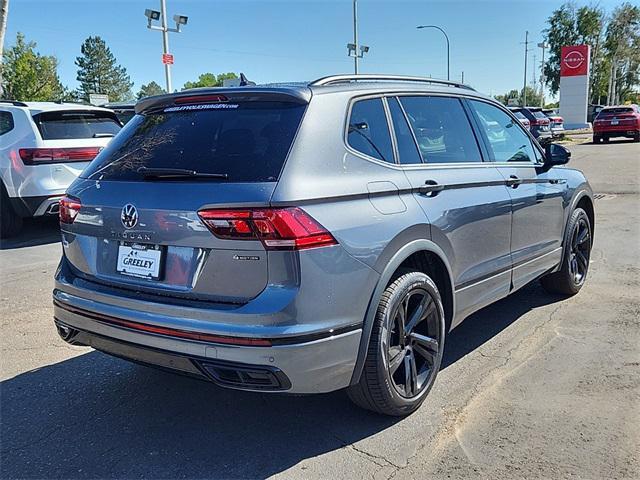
<point x="138" y="226"/>
<point x="70" y="138"/>
<point x="616" y="117"/>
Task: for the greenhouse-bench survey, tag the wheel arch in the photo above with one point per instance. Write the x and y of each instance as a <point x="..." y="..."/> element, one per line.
<point x="421" y="255"/>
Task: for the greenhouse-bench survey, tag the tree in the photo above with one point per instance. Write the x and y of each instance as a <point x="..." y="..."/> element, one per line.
<point x="209" y="80"/>
<point x="4" y="13"/>
<point x="569" y="25"/>
<point x="622" y="50"/>
<point x="533" y="97"/>
<point x="98" y="72"/>
<point x="29" y="76"/>
<point x="151" y="88"/>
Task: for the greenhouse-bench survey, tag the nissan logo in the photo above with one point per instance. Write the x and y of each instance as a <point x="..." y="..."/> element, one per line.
<point x="129" y="216"/>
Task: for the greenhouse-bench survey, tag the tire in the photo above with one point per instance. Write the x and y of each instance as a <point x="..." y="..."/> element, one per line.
<point x="575" y="260"/>
<point x="10" y="222"/>
<point x="605" y="139"/>
<point x="400" y="370"/>
<point x="596" y="139"/>
<point x="637" y="138"/>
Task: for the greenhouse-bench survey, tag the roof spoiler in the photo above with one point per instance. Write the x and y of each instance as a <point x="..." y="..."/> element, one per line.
<point x="233" y="94"/>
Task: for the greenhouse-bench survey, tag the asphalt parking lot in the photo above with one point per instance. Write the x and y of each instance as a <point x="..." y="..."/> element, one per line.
<point x="534" y="386"/>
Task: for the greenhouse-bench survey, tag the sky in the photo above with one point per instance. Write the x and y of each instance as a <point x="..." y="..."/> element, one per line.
<point x="279" y="41"/>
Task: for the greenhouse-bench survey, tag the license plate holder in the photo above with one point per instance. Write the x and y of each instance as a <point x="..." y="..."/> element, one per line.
<point x="614" y="121"/>
<point x="139" y="260"/>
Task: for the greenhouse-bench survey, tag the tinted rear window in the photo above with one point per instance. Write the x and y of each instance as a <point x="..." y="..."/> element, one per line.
<point x="539" y="114"/>
<point x="80" y="124"/>
<point x="614" y="111"/>
<point x="247" y="141"/>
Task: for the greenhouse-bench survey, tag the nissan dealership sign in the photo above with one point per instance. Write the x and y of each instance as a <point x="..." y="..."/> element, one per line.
<point x="574" y="85"/>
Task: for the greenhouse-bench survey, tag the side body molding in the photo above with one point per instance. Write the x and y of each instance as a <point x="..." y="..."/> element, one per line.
<point x="385" y="276"/>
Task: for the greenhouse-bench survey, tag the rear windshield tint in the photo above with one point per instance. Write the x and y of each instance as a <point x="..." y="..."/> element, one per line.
<point x="519" y="115"/>
<point x="248" y="141"/>
<point x="614" y="111"/>
<point x="62" y="125"/>
<point x="538" y="114"/>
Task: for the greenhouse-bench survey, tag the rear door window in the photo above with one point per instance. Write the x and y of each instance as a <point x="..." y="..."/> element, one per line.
<point x="6" y="122"/>
<point x="368" y="131"/>
<point x="507" y="140"/>
<point x="407" y="148"/>
<point x="61" y="125"/>
<point x="442" y="129"/>
<point x="247" y="141"/>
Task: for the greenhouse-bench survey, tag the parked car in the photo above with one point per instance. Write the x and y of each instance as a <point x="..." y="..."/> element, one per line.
<point x="123" y="110"/>
<point x="306" y="239"/>
<point x="593" y="111"/>
<point x="620" y="121"/>
<point x="44" y="147"/>
<point x="557" y="122"/>
<point x="521" y="118"/>
<point x="540" y="125"/>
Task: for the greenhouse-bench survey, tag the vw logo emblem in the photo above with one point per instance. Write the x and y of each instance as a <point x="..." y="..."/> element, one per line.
<point x="129" y="216"/>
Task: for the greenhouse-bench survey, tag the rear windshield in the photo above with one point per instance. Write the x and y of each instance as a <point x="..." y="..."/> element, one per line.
<point x="613" y="111"/>
<point x="62" y="125"/>
<point x="519" y="115"/>
<point x="538" y="114"/>
<point x="248" y="141"/>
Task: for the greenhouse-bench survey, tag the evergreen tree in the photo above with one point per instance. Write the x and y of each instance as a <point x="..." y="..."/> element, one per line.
<point x="151" y="88"/>
<point x="98" y="72"/>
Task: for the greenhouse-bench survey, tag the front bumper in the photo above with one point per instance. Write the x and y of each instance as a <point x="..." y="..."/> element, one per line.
<point x="313" y="364"/>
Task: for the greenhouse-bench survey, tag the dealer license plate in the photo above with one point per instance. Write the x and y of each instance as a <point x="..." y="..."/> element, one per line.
<point x="139" y="260"/>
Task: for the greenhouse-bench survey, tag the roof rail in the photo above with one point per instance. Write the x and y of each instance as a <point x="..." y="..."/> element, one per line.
<point x="15" y="103"/>
<point x="337" y="79"/>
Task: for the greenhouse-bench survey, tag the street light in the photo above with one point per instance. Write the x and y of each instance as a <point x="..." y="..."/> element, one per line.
<point x="543" y="46"/>
<point x="354" y="49"/>
<point x="153" y="16"/>
<point x="446" y="38"/>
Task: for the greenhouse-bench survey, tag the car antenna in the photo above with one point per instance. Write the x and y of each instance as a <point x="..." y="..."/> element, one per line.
<point x="244" y="81"/>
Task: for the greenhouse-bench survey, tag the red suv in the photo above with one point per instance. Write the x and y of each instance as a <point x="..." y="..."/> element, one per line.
<point x="621" y="121"/>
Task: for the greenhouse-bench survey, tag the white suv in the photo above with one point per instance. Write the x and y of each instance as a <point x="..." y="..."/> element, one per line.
<point x="43" y="148"/>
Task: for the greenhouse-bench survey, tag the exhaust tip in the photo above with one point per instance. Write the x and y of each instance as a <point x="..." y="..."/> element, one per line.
<point x="67" y="333"/>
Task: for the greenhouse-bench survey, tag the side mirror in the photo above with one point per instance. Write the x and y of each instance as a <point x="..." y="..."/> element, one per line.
<point x="555" y="154"/>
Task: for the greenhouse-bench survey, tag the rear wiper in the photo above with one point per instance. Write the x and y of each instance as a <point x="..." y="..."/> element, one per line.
<point x="103" y="135"/>
<point x="173" y="173"/>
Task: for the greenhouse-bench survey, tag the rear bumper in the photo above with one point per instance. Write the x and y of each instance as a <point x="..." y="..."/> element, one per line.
<point x="318" y="365"/>
<point x="36" y="206"/>
<point x="617" y="131"/>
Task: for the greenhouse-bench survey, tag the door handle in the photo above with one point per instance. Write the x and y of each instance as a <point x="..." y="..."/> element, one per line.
<point x="431" y="188"/>
<point x="513" y="181"/>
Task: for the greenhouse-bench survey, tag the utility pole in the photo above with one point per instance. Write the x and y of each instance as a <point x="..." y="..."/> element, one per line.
<point x="526" y="51"/>
<point x="167" y="58"/>
<point x="533" y="74"/>
<point x="462" y="79"/>
<point x="543" y="46"/>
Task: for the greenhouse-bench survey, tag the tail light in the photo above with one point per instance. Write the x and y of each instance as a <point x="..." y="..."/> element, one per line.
<point x="69" y="208"/>
<point x="38" y="156"/>
<point x="277" y="228"/>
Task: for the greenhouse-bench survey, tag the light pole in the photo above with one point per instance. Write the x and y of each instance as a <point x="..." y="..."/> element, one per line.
<point x="543" y="46"/>
<point x="526" y="51"/>
<point x="446" y="38"/>
<point x="154" y="15"/>
<point x="354" y="49"/>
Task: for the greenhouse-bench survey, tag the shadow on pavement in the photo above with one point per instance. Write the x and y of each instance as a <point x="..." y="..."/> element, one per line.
<point x="100" y="417"/>
<point x="35" y="231"/>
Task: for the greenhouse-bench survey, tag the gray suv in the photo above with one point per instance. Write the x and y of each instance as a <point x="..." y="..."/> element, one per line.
<point x="310" y="238"/>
